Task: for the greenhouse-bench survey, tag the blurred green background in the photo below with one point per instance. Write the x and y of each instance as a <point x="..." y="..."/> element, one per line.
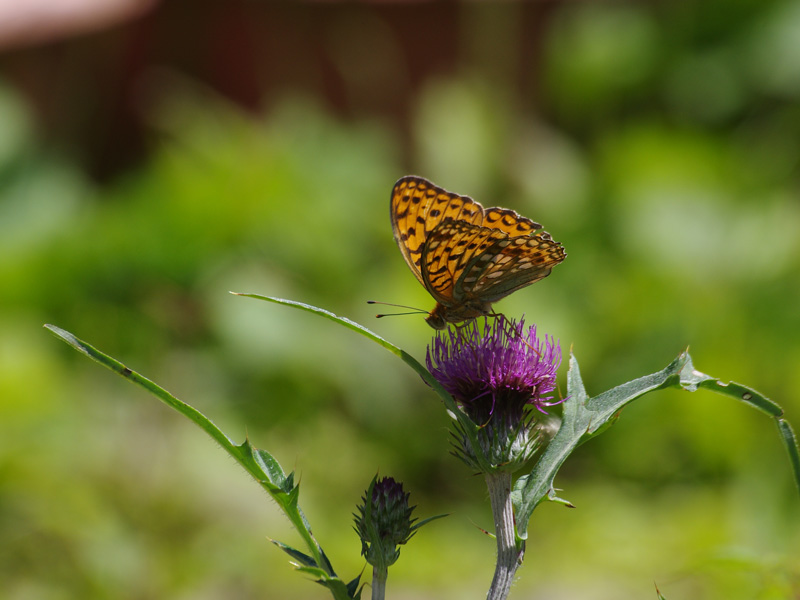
<point x="149" y="167"/>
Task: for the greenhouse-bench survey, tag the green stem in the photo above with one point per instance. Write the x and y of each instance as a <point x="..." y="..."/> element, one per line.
<point x="509" y="556"/>
<point x="379" y="576"/>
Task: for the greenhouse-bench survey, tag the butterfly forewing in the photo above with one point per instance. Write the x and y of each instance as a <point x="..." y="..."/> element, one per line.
<point x="418" y="206"/>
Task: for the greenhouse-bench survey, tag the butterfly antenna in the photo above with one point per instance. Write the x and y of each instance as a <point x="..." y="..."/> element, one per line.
<point x="414" y="311"/>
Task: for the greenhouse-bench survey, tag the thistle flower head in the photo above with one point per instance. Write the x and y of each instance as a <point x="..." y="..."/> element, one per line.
<point x="497" y="372"/>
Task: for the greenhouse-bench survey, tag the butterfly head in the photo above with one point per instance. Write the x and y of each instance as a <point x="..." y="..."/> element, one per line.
<point x="436" y="320"/>
<point x="441" y="315"/>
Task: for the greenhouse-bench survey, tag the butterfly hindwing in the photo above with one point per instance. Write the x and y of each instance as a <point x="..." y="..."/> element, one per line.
<point x="508" y="221"/>
<point x="450" y="248"/>
<point x="508" y="265"/>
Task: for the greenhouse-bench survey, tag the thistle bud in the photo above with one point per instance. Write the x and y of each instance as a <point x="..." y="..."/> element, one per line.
<point x="384" y="521"/>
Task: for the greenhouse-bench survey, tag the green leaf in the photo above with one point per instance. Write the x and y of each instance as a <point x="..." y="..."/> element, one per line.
<point x="264" y="468"/>
<point x="300" y="557"/>
<point x="187" y="411"/>
<point x="692" y="380"/>
<point x="790" y="442"/>
<point x="353" y="588"/>
<point x="306" y="564"/>
<point x="338" y="588"/>
<point x="470" y="428"/>
<point x="307" y="561"/>
<point x="260" y="464"/>
<point x="584" y="418"/>
<point x="419" y="524"/>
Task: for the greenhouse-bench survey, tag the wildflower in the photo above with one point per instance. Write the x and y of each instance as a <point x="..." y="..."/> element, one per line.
<point x="502" y="376"/>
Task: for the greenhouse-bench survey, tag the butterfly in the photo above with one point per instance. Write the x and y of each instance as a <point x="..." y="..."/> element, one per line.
<point x="465" y="255"/>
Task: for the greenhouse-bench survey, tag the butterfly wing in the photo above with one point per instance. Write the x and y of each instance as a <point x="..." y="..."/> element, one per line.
<point x="451" y="248"/>
<point x="466" y="256"/>
<point x="509" y="222"/>
<point x="417" y="208"/>
<point x="469" y="263"/>
<point x="507" y="265"/>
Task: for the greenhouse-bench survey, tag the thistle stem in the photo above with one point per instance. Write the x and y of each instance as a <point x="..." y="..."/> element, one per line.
<point x="509" y="556"/>
<point x="379" y="576"/>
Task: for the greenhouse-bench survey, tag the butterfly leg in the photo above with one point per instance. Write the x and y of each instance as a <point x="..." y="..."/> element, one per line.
<point x="512" y="332"/>
<point x="461" y="328"/>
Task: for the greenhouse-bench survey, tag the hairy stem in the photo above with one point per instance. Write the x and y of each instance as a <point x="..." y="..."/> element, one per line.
<point x="509" y="556"/>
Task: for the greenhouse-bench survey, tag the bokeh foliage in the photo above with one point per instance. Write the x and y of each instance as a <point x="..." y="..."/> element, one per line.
<point x="661" y="148"/>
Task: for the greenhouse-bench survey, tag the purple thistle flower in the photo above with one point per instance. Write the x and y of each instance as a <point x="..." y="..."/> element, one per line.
<point x="495" y="373"/>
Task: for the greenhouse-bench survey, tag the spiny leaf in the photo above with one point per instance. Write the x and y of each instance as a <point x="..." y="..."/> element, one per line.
<point x="584" y="418"/>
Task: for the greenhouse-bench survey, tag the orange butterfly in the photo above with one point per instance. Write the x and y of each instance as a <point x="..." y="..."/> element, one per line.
<point x="466" y="256"/>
